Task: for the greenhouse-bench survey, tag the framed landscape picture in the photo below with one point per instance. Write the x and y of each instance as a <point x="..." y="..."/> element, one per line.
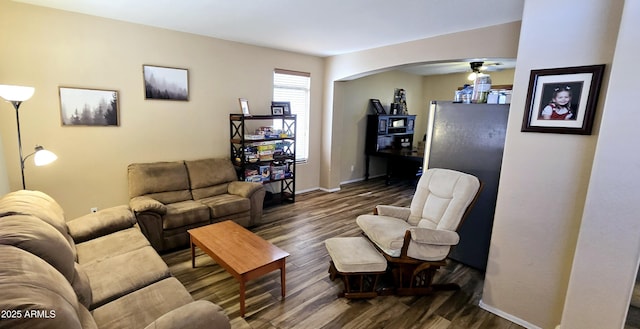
<point x="88" y="107"/>
<point x="562" y="100"/>
<point x="165" y="83"/>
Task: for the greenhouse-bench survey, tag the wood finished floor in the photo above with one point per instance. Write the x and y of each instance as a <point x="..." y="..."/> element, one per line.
<point x="311" y="298"/>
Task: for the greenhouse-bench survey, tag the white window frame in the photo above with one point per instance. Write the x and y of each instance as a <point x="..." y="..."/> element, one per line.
<point x="300" y="105"/>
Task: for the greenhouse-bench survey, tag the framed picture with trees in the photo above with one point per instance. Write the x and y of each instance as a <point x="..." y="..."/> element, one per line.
<point x="88" y="107"/>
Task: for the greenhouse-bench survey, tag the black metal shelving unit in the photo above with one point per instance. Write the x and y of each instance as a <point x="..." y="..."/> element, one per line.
<point x="275" y="171"/>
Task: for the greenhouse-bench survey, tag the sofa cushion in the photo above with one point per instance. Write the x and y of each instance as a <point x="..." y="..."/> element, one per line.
<point x="205" y="192"/>
<point x="38" y="204"/>
<point x="226" y="204"/>
<point x="142" y="306"/>
<point x="29" y="284"/>
<point x="86" y="319"/>
<point x="209" y="177"/>
<point x="111" y="245"/>
<point x="81" y="286"/>
<point x="101" y="223"/>
<point x="114" y="277"/>
<point x="184" y="213"/>
<point x="31" y="234"/>
<point x="166" y="182"/>
<point x="195" y="315"/>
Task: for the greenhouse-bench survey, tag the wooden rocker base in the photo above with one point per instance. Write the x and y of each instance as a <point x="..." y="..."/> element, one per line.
<point x="356" y="285"/>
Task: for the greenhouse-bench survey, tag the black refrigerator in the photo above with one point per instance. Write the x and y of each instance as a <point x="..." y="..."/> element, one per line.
<point x="470" y="138"/>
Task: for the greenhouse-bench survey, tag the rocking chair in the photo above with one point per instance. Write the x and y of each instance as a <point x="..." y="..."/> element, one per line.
<point x="417" y="240"/>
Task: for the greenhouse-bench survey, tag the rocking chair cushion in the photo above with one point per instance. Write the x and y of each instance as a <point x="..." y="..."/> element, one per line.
<point x="435" y="237"/>
<point x="386" y="232"/>
<point x="393" y="211"/>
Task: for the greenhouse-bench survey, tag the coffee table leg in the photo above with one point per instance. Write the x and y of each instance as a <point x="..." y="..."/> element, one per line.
<point x="282" y="276"/>
<point x="242" y="290"/>
<point x="193" y="253"/>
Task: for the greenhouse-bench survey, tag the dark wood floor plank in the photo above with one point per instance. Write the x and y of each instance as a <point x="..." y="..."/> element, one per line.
<point x="311" y="300"/>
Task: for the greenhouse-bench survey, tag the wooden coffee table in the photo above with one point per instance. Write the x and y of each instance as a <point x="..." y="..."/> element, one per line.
<point x="243" y="254"/>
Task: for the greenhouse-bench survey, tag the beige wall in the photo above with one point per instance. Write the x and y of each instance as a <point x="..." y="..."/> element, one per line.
<point x="545" y="177"/>
<point x="47" y="48"/>
<point x="598" y="296"/>
<point x="354" y="117"/>
<point x="498" y="41"/>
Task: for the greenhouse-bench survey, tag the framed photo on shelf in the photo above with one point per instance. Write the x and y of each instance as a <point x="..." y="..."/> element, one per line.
<point x="377" y="106"/>
<point x="165" y="83"/>
<point x="277" y="110"/>
<point x="88" y="107"/>
<point x="244" y="106"/>
<point x="562" y="100"/>
<point x="286" y="107"/>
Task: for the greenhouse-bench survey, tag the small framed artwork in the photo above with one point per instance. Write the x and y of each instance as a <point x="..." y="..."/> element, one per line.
<point x="286" y="107"/>
<point x="88" y="107"/>
<point x="244" y="106"/>
<point x="277" y="110"/>
<point x="562" y="100"/>
<point x="165" y="83"/>
<point x="377" y="106"/>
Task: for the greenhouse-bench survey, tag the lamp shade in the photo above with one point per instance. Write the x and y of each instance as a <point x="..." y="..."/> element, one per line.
<point x="43" y="157"/>
<point x="16" y="93"/>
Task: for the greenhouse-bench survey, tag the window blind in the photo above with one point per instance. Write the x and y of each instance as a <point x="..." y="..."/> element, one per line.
<point x="294" y="87"/>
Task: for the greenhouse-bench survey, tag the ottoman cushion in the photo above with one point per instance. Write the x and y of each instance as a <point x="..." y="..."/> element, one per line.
<point x="355" y="255"/>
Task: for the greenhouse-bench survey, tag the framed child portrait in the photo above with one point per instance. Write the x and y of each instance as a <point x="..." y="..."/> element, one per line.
<point x="562" y="100"/>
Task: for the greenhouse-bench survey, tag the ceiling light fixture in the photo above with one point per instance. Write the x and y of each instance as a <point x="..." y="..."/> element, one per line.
<point x="475" y="68"/>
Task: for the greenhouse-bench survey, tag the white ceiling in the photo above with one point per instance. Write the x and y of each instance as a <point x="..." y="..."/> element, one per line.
<point x="316" y="27"/>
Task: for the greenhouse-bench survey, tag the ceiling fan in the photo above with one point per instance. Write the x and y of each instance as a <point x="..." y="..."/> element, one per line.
<point x="479" y="67"/>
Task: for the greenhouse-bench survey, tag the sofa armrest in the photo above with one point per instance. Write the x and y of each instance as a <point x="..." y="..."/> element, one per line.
<point x="103" y="222"/>
<point x="394" y="211"/>
<point x="145" y="203"/>
<point x="434" y="237"/>
<point x="244" y="189"/>
<point x="196" y="315"/>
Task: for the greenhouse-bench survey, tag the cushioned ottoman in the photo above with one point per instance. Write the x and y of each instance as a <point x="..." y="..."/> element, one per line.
<point x="359" y="264"/>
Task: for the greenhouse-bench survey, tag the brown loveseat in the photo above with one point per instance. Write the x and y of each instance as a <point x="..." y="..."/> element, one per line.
<point x="96" y="271"/>
<point x="169" y="198"/>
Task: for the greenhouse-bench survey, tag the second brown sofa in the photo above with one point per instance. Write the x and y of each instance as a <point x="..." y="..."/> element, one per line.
<point x="170" y="198"/>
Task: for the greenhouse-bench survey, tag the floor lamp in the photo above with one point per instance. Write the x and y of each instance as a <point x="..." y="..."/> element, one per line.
<point x="16" y="95"/>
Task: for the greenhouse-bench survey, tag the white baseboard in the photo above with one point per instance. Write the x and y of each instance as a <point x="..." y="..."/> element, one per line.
<point x="336" y="189"/>
<point x="508" y="316"/>
<point x="329" y="189"/>
<point x="352" y="181"/>
<point x="307" y="190"/>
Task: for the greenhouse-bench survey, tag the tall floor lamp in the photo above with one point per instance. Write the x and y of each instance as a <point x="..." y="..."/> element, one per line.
<point x="16" y="95"/>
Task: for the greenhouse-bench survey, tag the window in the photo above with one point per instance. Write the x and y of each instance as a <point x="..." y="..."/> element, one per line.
<point x="294" y="87"/>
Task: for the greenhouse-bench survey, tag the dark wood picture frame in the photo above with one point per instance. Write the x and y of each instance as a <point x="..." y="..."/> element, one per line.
<point x="377" y="106"/>
<point x="286" y="108"/>
<point x="581" y="83"/>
